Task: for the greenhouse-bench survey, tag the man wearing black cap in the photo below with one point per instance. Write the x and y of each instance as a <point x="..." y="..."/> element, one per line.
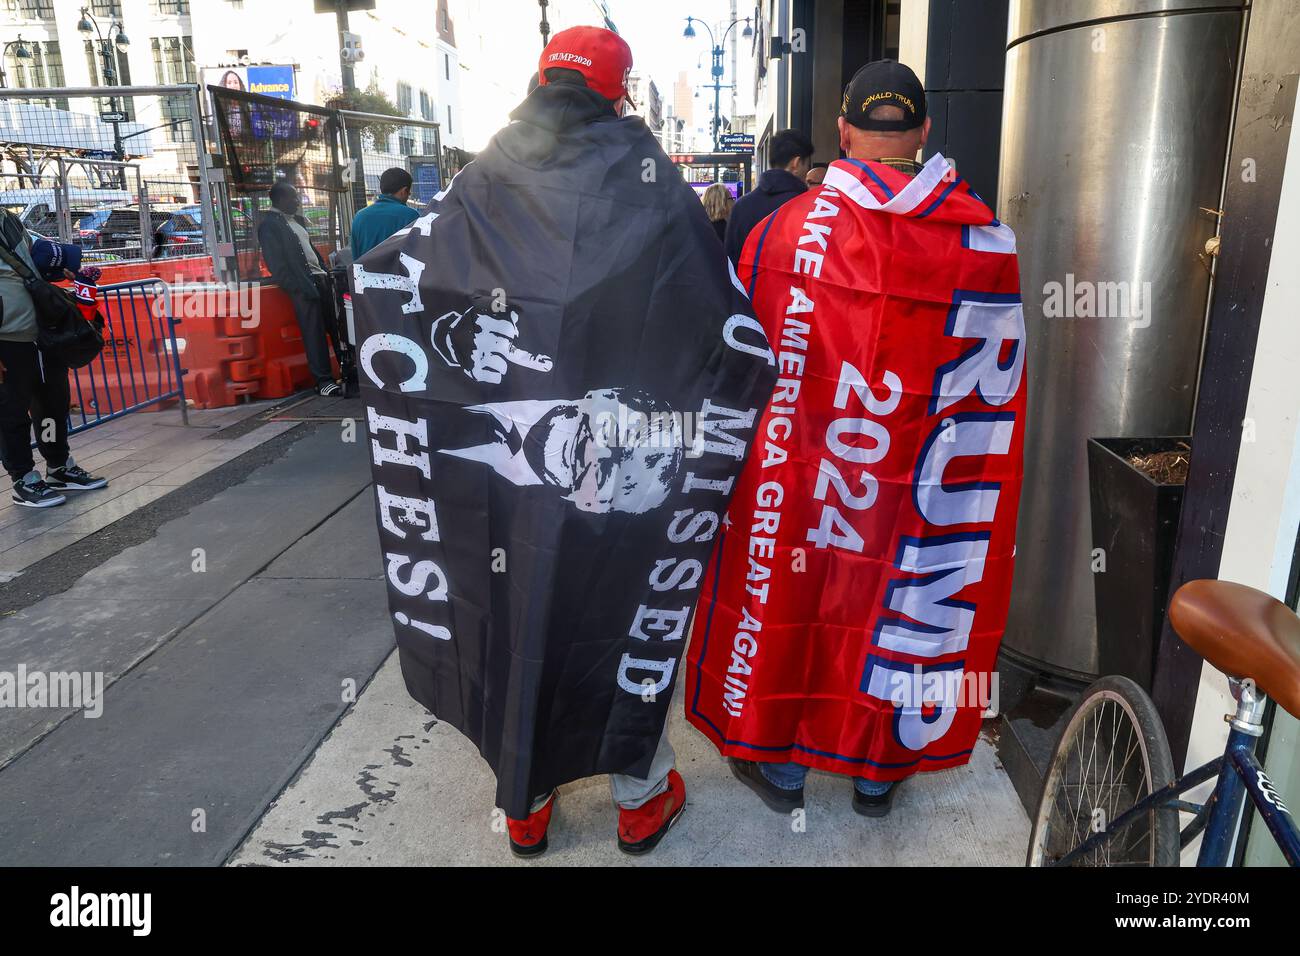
<point x="867" y="268"/>
<point x="882" y="118"/>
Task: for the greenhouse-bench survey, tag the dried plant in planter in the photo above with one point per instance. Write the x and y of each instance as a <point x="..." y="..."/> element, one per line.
<point x="1164" y="467"/>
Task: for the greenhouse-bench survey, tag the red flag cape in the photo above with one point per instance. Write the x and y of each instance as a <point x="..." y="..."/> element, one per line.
<point x="853" y="608"/>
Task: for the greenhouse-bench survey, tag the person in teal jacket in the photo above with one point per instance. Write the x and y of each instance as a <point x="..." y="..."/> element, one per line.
<point x="387" y="214"/>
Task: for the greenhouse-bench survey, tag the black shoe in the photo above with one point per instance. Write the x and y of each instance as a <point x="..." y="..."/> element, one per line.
<point x="874" y="805"/>
<point x="329" y="388"/>
<point x="73" y="477"/>
<point x="31" y="492"/>
<point x="779" y="799"/>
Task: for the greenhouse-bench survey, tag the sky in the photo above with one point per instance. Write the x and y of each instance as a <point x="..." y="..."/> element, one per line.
<point x="654" y="31"/>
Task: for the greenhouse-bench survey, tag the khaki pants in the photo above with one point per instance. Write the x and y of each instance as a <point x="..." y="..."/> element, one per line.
<point x="631" y="792"/>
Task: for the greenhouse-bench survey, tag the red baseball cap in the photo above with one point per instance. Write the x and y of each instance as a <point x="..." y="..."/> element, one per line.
<point x="600" y="55"/>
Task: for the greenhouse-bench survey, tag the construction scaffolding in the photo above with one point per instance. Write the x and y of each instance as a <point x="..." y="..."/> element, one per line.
<point x="121" y="171"/>
<point x="176" y="178"/>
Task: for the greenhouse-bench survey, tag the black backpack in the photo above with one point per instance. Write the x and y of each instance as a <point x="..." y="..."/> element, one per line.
<point x="62" y="332"/>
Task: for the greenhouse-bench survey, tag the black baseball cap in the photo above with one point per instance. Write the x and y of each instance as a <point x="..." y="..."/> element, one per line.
<point x="884" y="83"/>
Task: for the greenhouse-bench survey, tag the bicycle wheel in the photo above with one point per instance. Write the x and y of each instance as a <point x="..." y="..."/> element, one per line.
<point x="1112" y="754"/>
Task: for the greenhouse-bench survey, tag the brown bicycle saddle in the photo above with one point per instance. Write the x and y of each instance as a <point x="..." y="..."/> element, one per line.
<point x="1243" y="632"/>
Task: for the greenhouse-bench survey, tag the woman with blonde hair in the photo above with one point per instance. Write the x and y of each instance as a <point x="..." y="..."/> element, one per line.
<point x="717" y="203"/>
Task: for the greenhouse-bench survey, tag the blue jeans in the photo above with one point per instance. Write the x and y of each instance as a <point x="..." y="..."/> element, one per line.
<point x="790" y="776"/>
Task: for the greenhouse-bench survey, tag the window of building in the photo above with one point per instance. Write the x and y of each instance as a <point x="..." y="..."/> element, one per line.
<point x="171" y="8"/>
<point x="426" y="105"/>
<point x="43" y="68"/>
<point x="404" y="98"/>
<point x="406" y="144"/>
<point x="449" y="129"/>
<point x="446" y="65"/>
<point x="31" y="9"/>
<point x="106" y="9"/>
<point x="173" y="62"/>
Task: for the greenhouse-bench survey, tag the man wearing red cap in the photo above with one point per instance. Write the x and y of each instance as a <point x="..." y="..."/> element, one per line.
<point x="582" y="78"/>
<point x="557" y="312"/>
<point x="599" y="56"/>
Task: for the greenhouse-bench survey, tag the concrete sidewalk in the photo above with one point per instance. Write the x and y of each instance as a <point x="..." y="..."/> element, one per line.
<point x="222" y="676"/>
<point x="145" y="455"/>
<point x="392" y="787"/>
<point x="232" y="730"/>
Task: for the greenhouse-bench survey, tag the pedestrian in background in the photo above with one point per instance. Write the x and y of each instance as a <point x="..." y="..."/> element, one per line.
<point x="718" y="204"/>
<point x="387" y="214"/>
<point x="789" y="159"/>
<point x="33" y="387"/>
<point x="816" y="175"/>
<point x="299" y="270"/>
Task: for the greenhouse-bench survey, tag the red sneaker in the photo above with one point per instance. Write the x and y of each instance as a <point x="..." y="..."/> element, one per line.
<point x="640" y="830"/>
<point x="528" y="836"/>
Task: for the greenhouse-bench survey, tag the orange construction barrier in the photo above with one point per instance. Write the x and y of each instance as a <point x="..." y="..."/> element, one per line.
<point x="176" y="271"/>
<point x="281" y="347"/>
<point x="233" y="344"/>
<point x="217" y="340"/>
<point x="284" y="361"/>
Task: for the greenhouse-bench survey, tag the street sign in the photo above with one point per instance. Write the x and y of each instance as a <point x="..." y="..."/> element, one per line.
<point x="352" y="6"/>
<point x="707" y="159"/>
<point x="427" y="176"/>
<point x="736" y="142"/>
<point x="113" y="116"/>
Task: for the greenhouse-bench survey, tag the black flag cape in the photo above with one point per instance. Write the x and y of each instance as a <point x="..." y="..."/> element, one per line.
<point x="562" y="380"/>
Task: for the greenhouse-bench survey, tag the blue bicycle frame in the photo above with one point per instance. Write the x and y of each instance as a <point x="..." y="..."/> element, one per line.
<point x="1239" y="774"/>
<point x="1242" y="774"/>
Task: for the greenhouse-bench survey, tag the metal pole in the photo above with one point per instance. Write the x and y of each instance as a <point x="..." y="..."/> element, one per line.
<point x="61" y="200"/>
<point x="110" y="79"/>
<point x="146" y="220"/>
<point x="209" y="221"/>
<point x="353" y="136"/>
<point x="718" y="54"/>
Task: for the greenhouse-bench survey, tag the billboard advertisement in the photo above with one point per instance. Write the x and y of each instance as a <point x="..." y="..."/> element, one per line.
<point x="275" y="81"/>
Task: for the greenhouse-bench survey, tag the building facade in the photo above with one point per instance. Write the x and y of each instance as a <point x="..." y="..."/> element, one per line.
<point x="649" y="104"/>
<point x="499" y="53"/>
<point x="805" y="54"/>
<point x="412" y="60"/>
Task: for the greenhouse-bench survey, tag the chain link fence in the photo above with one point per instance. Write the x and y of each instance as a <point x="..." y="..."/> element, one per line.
<point x="119" y="171"/>
<point x="153" y="174"/>
<point x="264" y="140"/>
<point x="388" y="141"/>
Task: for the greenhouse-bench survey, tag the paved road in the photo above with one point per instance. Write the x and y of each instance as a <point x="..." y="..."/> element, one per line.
<point x="221" y="682"/>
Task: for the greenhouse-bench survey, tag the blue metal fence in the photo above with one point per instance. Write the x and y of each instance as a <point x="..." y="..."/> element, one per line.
<point x="140" y="364"/>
